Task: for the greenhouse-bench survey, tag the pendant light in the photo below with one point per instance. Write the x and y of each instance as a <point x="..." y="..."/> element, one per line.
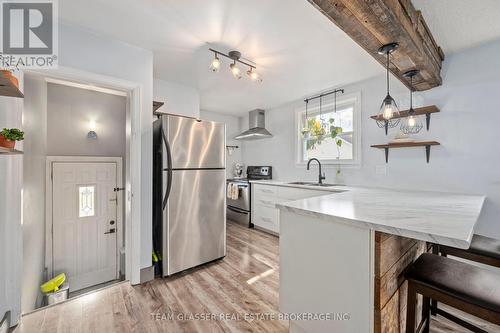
<point x="388" y="115"/>
<point x="412" y="124"/>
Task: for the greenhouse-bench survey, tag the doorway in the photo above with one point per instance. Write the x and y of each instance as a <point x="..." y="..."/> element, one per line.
<point x="59" y="115"/>
<point x="84" y="212"/>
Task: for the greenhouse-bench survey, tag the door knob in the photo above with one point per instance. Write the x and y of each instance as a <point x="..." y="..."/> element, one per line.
<point x="111" y="231"/>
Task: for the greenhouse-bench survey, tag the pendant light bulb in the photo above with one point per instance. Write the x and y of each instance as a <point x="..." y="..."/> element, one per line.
<point x="389" y="108"/>
<point x="412" y="121"/>
<point x="215" y="66"/>
<point x="235" y="71"/>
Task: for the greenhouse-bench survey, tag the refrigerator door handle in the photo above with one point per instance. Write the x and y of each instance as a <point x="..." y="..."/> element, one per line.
<point x="169" y="170"/>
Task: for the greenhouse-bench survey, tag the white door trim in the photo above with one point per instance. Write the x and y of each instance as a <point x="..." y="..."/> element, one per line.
<point x="49" y="208"/>
<point x="133" y="199"/>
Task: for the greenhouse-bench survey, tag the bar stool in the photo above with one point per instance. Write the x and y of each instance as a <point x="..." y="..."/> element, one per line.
<point x="483" y="249"/>
<point x="468" y="288"/>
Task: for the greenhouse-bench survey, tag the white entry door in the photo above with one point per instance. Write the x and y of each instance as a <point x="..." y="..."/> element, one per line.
<point x="84" y="206"/>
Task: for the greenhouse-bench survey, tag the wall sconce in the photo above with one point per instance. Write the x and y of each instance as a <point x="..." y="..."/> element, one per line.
<point x="92" y="128"/>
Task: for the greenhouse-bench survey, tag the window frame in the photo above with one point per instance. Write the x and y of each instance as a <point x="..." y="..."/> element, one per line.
<point x="353" y="98"/>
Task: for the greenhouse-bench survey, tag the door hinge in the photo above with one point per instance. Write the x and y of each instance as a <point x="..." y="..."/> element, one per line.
<point x="116" y="189"/>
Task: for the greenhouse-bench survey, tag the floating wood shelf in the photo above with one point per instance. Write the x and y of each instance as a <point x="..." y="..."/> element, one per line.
<point x="7" y="151"/>
<point x="426" y="110"/>
<point x="426" y="144"/>
<point x="9" y="85"/>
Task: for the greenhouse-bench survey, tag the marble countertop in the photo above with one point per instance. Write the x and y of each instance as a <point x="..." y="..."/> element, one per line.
<point x="437" y="217"/>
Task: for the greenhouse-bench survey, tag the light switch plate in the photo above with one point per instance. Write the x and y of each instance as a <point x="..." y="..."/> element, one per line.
<point x="381" y="170"/>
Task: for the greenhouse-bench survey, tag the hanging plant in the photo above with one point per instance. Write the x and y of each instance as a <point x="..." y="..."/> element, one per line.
<point x="316" y="130"/>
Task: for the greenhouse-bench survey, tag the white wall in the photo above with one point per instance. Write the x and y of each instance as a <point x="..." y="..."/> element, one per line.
<point x="467" y="128"/>
<point x="178" y="99"/>
<point x="233" y="128"/>
<point x="35" y="149"/>
<point x="69" y="112"/>
<point x="11" y="250"/>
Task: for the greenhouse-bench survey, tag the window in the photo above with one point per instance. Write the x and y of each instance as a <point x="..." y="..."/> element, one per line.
<point x="333" y="137"/>
<point x="86" y="201"/>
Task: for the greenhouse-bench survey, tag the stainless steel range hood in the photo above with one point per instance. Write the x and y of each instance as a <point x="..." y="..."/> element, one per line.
<point x="257" y="124"/>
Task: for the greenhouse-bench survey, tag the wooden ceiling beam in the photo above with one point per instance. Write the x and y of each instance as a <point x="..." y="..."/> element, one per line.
<point x="373" y="23"/>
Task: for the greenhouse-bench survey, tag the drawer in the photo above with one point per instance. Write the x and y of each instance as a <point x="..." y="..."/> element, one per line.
<point x="265" y="200"/>
<point x="290" y="193"/>
<point x="266" y="218"/>
<point x="264" y="190"/>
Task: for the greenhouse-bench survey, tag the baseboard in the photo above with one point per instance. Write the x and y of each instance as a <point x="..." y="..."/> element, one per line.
<point x="147" y="274"/>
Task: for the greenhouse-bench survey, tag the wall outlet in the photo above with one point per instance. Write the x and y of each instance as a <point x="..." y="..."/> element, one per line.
<point x="381" y="170"/>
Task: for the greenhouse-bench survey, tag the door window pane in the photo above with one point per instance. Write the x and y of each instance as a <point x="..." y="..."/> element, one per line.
<point x="86" y="201"/>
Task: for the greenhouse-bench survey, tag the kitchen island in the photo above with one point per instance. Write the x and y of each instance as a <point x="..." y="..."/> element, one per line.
<point x="343" y="253"/>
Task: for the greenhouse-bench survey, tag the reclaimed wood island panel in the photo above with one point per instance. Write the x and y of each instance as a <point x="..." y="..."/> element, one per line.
<point x="392" y="255"/>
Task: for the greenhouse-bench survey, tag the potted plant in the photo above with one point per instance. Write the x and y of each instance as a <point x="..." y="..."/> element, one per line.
<point x="8" y="137"/>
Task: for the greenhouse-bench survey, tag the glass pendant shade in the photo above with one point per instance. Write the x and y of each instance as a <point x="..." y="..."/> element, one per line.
<point x="235" y="71"/>
<point x="215" y="65"/>
<point x="388" y="113"/>
<point x="254" y="75"/>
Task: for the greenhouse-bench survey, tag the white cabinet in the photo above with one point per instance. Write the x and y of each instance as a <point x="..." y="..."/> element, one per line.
<point x="264" y="199"/>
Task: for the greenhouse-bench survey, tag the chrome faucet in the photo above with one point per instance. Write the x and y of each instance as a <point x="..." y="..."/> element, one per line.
<point x="321" y="175"/>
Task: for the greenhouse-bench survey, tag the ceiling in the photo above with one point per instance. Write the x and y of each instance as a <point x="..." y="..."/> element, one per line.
<point x="461" y="24"/>
<point x="297" y="50"/>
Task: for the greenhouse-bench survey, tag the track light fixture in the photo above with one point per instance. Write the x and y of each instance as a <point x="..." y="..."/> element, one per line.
<point x="235" y="56"/>
<point x="388" y="115"/>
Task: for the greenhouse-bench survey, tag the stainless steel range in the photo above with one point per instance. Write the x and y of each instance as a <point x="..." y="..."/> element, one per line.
<point x="239" y="206"/>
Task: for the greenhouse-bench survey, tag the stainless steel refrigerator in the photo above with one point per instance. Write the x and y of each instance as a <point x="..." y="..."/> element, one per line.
<point x="189" y="201"/>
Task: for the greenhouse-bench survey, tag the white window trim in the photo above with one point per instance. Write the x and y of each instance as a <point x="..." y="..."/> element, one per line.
<point x="344" y="99"/>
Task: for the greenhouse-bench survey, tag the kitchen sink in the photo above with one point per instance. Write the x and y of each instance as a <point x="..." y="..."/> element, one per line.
<point x="314" y="184"/>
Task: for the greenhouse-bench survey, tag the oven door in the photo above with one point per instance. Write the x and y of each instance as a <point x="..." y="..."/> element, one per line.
<point x="243" y="201"/>
<point x="238" y="215"/>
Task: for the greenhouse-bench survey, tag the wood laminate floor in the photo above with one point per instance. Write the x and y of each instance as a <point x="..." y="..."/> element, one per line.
<point x="246" y="281"/>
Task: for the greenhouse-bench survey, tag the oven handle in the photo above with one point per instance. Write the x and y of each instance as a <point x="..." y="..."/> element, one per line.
<point x="236" y="210"/>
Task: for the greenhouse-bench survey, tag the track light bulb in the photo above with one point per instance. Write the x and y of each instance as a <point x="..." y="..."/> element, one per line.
<point x="215" y="66"/>
<point x="254" y="75"/>
<point x="235" y="71"/>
